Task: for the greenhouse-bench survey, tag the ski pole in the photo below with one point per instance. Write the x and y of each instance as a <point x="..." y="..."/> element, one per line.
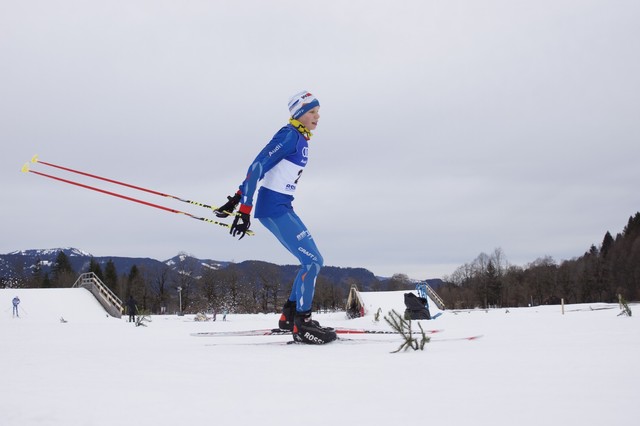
<point x="35" y="159"/>
<point x="26" y="169"/>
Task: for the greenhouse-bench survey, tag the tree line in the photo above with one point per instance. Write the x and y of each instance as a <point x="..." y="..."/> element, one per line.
<point x="600" y="275"/>
<point x="187" y="287"/>
<point x="260" y="288"/>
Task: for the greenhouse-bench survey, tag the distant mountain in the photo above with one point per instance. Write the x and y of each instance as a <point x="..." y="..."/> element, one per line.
<point x="22" y="263"/>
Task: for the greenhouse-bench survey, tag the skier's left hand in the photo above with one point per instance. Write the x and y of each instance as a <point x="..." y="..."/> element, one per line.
<point x="240" y="225"/>
<point x="228" y="208"/>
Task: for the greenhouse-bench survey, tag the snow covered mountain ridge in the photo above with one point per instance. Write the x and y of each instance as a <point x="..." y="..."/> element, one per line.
<point x="23" y="263"/>
<point x="69" y="251"/>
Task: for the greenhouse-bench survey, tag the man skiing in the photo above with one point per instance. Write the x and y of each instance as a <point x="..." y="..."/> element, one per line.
<point x="16" y="302"/>
<point x="279" y="166"/>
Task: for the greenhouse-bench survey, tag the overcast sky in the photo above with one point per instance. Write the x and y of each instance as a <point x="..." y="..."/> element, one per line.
<point x="447" y="129"/>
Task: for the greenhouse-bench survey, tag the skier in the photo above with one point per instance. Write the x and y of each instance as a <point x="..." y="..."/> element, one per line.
<point x="16" y="302"/>
<point x="132" y="309"/>
<point x="279" y="166"/>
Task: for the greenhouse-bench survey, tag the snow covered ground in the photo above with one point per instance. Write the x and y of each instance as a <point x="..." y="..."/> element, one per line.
<point x="533" y="366"/>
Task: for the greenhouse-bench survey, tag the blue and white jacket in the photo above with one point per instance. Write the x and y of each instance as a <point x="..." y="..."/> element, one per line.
<point x="279" y="166"/>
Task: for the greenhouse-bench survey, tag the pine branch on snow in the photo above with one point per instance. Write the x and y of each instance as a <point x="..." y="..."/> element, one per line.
<point x="403" y="327"/>
<point x="142" y="317"/>
<point x="626" y="310"/>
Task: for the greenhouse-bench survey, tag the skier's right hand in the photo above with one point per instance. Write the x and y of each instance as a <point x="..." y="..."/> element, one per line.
<point x="241" y="223"/>
<point x="228" y="208"/>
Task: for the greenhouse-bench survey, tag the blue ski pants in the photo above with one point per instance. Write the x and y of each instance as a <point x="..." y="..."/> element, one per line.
<point x="294" y="236"/>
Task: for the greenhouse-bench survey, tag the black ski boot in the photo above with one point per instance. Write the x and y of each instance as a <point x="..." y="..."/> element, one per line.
<point x="305" y="330"/>
<point x="288" y="313"/>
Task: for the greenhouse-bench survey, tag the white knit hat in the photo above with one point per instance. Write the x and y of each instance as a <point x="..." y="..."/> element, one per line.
<point x="302" y="102"/>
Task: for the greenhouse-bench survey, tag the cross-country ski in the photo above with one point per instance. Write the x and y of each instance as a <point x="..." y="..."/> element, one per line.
<point x="340" y="340"/>
<point x="281" y="332"/>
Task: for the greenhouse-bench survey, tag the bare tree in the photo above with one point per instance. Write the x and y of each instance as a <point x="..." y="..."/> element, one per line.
<point x="160" y="280"/>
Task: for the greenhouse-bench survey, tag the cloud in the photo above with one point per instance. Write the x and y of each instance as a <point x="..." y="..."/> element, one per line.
<point x="447" y="129"/>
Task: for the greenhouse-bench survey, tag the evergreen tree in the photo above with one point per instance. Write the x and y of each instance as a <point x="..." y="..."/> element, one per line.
<point x="136" y="287"/>
<point x="607" y="243"/>
<point x="62" y="272"/>
<point x="633" y="226"/>
<point x="131" y="279"/>
<point x="37" y="276"/>
<point x="95" y="268"/>
<point x="111" y="276"/>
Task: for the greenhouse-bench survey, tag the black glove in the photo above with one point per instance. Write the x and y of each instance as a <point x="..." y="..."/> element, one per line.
<point x="240" y="225"/>
<point x="228" y="207"/>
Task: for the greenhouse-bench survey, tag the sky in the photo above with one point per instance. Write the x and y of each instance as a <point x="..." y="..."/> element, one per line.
<point x="448" y="128"/>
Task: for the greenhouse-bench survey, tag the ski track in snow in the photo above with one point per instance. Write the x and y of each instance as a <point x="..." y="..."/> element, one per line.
<point x="533" y="366"/>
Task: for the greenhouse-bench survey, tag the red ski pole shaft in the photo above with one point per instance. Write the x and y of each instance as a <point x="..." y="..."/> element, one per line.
<point x="135" y="200"/>
<point x="35" y="159"/>
<point x="139" y="188"/>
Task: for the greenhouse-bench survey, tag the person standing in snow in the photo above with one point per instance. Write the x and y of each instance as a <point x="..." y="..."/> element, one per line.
<point x="16" y="302"/>
<point x="279" y="166"/>
<point x="132" y="309"/>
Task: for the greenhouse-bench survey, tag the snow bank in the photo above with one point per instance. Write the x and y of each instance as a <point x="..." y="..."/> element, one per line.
<point x="532" y="366"/>
<point x="46" y="305"/>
